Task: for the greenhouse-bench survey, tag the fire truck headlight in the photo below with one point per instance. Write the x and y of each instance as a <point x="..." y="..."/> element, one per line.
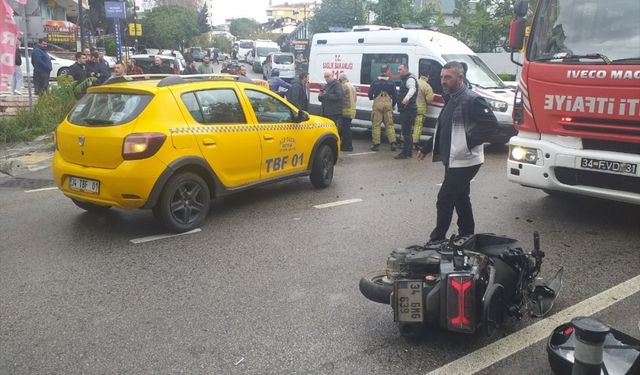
<point x="523" y="154"/>
<point x="498" y="105"/>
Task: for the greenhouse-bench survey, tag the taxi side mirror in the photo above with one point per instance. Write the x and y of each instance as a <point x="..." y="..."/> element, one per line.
<point x="302" y="116"/>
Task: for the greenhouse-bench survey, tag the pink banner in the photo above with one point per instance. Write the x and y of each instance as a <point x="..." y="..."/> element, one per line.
<point x="8" y="38"/>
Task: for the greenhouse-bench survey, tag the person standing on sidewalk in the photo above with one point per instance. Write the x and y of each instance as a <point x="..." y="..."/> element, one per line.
<point x="206" y="67"/>
<point x="384" y="95"/>
<point x="331" y="98"/>
<point x="348" y="112"/>
<point x="41" y="67"/>
<point x="464" y="124"/>
<point x="297" y="94"/>
<point x="423" y="98"/>
<point x="78" y="72"/>
<point x="407" y="108"/>
<point x="16" y="79"/>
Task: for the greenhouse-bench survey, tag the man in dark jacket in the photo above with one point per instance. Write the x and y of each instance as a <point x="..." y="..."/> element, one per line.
<point x="97" y="69"/>
<point x="79" y="73"/>
<point x="384" y="95"/>
<point x="191" y="68"/>
<point x="464" y="124"/>
<point x="158" y="68"/>
<point x="297" y="94"/>
<point x="407" y="108"/>
<point x="41" y="66"/>
<point x="331" y="98"/>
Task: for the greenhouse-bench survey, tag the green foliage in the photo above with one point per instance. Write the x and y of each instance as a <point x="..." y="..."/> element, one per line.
<point x="484" y="27"/>
<point x="169" y="27"/>
<point x="47" y="113"/>
<point x="203" y="19"/>
<point x="393" y="12"/>
<point x="244" y="28"/>
<point x="222" y="43"/>
<point x="110" y="46"/>
<point x="339" y="13"/>
<point x="507" y="76"/>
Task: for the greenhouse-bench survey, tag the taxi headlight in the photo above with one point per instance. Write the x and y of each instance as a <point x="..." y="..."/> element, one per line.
<point x="523" y="154"/>
<point x="498" y="105"/>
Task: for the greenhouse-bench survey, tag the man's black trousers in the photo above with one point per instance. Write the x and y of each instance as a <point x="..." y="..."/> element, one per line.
<point x="407" y="120"/>
<point x="454" y="193"/>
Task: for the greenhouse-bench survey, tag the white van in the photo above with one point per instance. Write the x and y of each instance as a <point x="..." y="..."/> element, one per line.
<point x="360" y="55"/>
<point x="244" y="47"/>
<point x="261" y="49"/>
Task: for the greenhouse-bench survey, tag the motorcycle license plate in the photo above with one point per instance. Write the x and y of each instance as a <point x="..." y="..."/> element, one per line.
<point x="408" y="296"/>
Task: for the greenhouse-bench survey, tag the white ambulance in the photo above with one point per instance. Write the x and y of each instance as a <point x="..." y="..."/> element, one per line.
<point x="360" y="55"/>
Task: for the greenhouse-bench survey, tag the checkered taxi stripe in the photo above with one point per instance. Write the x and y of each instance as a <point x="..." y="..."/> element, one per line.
<point x="246" y="128"/>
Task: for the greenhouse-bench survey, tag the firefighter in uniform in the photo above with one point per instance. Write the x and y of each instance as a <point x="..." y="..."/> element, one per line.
<point x="384" y="95"/>
<point x="424" y="98"/>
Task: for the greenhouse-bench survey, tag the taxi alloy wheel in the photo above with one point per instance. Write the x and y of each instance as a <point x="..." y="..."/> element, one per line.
<point x="322" y="169"/>
<point x="184" y="202"/>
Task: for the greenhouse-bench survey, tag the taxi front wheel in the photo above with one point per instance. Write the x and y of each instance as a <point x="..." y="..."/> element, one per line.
<point x="322" y="168"/>
<point x="184" y="202"/>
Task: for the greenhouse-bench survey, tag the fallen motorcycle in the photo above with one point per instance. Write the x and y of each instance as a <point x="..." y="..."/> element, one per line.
<point x="463" y="284"/>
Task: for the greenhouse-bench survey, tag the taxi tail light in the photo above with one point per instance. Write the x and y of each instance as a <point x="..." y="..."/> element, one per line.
<point x="460" y="304"/>
<point x="142" y="145"/>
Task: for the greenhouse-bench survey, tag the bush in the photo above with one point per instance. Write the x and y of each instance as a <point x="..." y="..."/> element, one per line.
<point x="507" y="76"/>
<point x="47" y="113"/>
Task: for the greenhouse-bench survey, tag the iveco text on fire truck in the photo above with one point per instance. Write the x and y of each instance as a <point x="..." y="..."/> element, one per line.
<point x="577" y="110"/>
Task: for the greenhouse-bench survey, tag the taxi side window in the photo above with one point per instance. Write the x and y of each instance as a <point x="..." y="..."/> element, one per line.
<point x="269" y="109"/>
<point x="217" y="106"/>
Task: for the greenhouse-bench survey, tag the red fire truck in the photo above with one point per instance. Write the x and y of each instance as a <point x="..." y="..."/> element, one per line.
<point x="577" y="109"/>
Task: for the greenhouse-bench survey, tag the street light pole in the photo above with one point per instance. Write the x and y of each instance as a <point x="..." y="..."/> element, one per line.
<point x="80" y="24"/>
<point x="135" y="22"/>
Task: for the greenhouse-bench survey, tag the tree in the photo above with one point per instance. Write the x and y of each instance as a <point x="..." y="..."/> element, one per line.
<point x="393" y="12"/>
<point x="203" y="19"/>
<point x="338" y="13"/>
<point x="222" y="43"/>
<point x="483" y="28"/>
<point x="244" y="28"/>
<point x="170" y="27"/>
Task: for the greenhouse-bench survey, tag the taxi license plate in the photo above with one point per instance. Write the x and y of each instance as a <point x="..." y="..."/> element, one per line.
<point x="408" y="296"/>
<point x="611" y="166"/>
<point x="84" y="185"/>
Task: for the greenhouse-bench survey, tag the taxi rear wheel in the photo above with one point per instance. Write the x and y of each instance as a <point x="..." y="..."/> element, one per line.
<point x="90" y="207"/>
<point x="184" y="202"/>
<point x="322" y="169"/>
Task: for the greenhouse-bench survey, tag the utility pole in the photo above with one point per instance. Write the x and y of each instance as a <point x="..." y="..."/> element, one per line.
<point x="80" y="24"/>
<point x="135" y="22"/>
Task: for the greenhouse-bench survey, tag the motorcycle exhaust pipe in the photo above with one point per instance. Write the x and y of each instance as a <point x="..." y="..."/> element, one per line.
<point x="590" y="336"/>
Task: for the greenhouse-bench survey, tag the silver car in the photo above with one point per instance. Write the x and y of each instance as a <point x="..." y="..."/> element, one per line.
<point x="285" y="62"/>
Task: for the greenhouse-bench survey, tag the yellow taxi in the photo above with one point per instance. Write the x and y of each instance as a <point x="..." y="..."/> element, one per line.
<point x="174" y="143"/>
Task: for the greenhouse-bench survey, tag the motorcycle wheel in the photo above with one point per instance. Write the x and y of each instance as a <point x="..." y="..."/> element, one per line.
<point x="376" y="287"/>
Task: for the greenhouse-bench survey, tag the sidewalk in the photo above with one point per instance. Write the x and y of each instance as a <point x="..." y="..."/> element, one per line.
<point x="24" y="157"/>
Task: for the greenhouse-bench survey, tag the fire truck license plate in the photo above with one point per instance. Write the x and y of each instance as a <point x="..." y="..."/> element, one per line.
<point x="611" y="166"/>
<point x="408" y="295"/>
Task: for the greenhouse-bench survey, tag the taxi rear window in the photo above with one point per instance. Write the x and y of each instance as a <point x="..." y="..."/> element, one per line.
<point x="107" y="109"/>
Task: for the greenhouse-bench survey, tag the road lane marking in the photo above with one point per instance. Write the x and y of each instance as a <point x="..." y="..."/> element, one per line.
<point x="338" y="203"/>
<point x="43" y="189"/>
<point x="503" y="348"/>
<point x="358" y="153"/>
<point x="162" y="236"/>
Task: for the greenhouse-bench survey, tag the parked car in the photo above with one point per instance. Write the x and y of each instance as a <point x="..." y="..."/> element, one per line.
<point x="174" y="144"/>
<point x="283" y="61"/>
<point x="60" y="65"/>
<point x="172" y="62"/>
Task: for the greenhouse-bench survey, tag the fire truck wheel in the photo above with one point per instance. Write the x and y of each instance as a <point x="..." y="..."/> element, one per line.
<point x="376" y="287"/>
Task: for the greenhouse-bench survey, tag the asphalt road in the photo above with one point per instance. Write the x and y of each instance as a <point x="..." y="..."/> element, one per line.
<point x="270" y="284"/>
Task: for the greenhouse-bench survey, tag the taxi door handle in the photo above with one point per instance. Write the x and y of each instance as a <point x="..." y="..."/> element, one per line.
<point x="209" y="142"/>
<point x="267" y="137"/>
